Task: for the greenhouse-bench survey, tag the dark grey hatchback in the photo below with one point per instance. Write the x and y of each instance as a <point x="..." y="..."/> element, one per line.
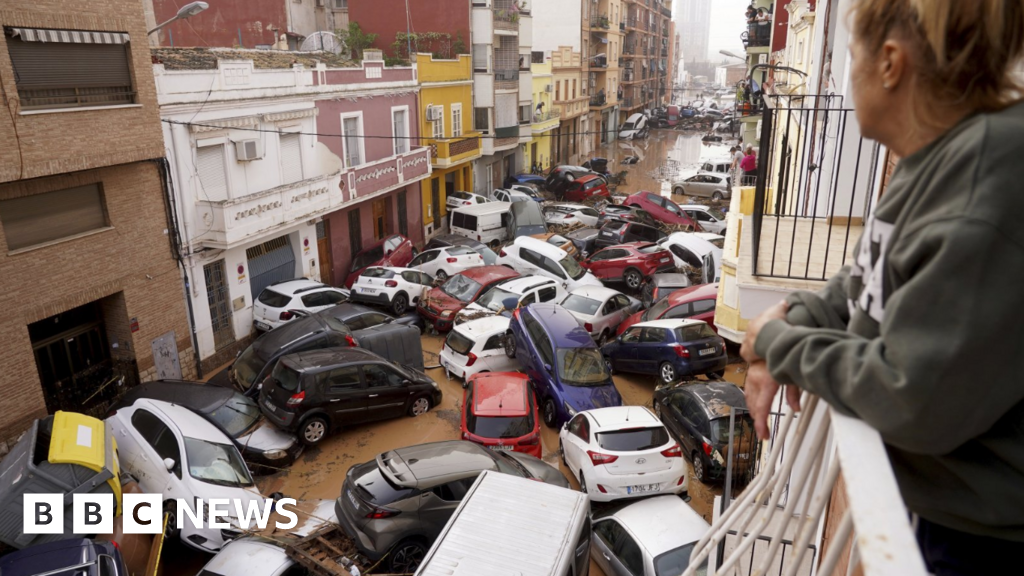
<point x="314" y="393"/>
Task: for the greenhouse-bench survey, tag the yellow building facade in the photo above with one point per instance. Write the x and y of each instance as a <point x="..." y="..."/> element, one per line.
<point x="545" y="118"/>
<point x="446" y="126"/>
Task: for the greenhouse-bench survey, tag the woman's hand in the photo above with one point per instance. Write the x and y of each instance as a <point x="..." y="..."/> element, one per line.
<point x="760" y="389"/>
<point x="776" y="312"/>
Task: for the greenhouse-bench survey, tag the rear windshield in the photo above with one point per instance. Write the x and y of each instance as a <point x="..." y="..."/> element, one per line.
<point x="633" y="440"/>
<point x="237" y="415"/>
<point x="720" y="428"/>
<point x="459" y="343"/>
<point x="274" y="299"/>
<point x="581" y="304"/>
<point x="371" y="256"/>
<point x="375" y="486"/>
<point x="499" y="426"/>
<point x="287" y="379"/>
<point x="650" y="249"/>
<point x="461" y="288"/>
<point x="378" y="273"/>
<point x="614" y="225"/>
<point x="695" y="332"/>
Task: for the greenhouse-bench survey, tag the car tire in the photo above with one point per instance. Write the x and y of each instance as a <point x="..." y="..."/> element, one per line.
<point x="698" y="467"/>
<point x="419" y="406"/>
<point x="633" y="278"/>
<point x="608" y="364"/>
<point x="400" y="303"/>
<point x="716" y="375"/>
<point x="717" y="197"/>
<point x="509" y="344"/>
<point x="171" y="531"/>
<point x="550" y="413"/>
<point x="441" y="275"/>
<point x="406" y="556"/>
<point x="313" y="431"/>
<point x="667" y="373"/>
<point x="678" y="191"/>
<point x="561" y="454"/>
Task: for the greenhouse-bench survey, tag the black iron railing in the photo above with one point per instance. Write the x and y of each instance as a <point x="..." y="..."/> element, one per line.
<point x="814" y="188"/>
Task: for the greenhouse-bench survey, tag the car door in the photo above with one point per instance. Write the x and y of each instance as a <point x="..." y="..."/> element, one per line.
<point x="344" y="395"/>
<point x="577" y="442"/>
<point x="492" y="355"/>
<point x="437" y="504"/>
<point x="609" y="316"/>
<point x="552" y="269"/>
<point x="655" y="205"/>
<point x="529" y="261"/>
<point x="387" y="392"/>
<point x="426" y="262"/>
<point x="621" y="312"/>
<point x="390" y="251"/>
<point x="403" y="253"/>
<point x="625" y="357"/>
<point x="684" y="256"/>
<point x="618" y="553"/>
<point x="689" y="418"/>
<point x="416" y="284"/>
<point x="542" y="356"/>
<point x="158" y="442"/>
<point x="649" y="350"/>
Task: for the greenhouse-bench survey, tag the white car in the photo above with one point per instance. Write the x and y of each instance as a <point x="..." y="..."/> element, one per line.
<point x="600" y="310"/>
<point x="444" y="262"/>
<point x="695" y="251"/>
<point x="457" y="199"/>
<point x="173" y="451"/>
<point x="710" y="219"/>
<point x="507" y="295"/>
<point x="634" y="127"/>
<point x="622" y="452"/>
<point x="532" y="256"/>
<point x="476" y="346"/>
<point x="501" y="195"/>
<point x="568" y="214"/>
<point x="397" y="289"/>
<point x="528" y="190"/>
<point x="273" y="307"/>
<point x="650" y="537"/>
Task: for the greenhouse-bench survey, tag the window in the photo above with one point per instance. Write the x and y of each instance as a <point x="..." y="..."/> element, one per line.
<point x="366" y="320"/>
<point x="437" y="126"/>
<point x="351" y="129"/>
<point x="325" y="298"/>
<point x="629" y="553"/>
<point x="480" y="58"/>
<point x="653" y="336"/>
<point x="403" y="216"/>
<point x="50" y="216"/>
<point x="681" y="311"/>
<point x="343" y="379"/>
<point x="454" y="491"/>
<point x="536" y="57"/>
<point x="355" y="232"/>
<point x="400" y="129"/>
<point x="380" y="376"/>
<point x="456" y="120"/>
<point x="703" y="306"/>
<point x="632" y="336"/>
<point x="159" y="436"/>
<point x="524" y="114"/>
<point x="547" y="294"/>
<point x="558" y="90"/>
<point x="481" y="120"/>
<point x="213" y="183"/>
<point x="574" y="88"/>
<point x="341" y="4"/>
<point x="494" y="343"/>
<point x="56" y="69"/>
<point x="291" y="158"/>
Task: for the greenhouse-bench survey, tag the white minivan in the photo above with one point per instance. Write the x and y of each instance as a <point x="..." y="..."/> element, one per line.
<point x="511" y="525"/>
<point x="487" y="223"/>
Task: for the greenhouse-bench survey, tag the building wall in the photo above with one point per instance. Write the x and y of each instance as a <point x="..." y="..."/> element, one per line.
<point x="224" y="24"/>
<point x="388" y="17"/>
<point x="376" y="113"/>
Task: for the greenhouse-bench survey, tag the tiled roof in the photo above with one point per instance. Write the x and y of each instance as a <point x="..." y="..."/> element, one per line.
<point x="206" y="58"/>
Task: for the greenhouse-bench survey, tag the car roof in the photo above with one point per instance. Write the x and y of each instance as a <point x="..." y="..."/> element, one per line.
<point x="248" y="556"/>
<point x="662" y="523"/>
<point x="195" y="395"/>
<point x="500" y="394"/>
<point x="588" y="178"/>
<point x="545" y="249"/>
<point x="717" y="397"/>
<point x="719" y="175"/>
<point x="634" y="117"/>
<point x="671" y="279"/>
<point x="485" y="326"/>
<point x="699" y="292"/>
<point x="596" y="292"/>
<point x="457" y="240"/>
<point x="488" y="274"/>
<point x="670" y="323"/>
<point x="394" y="269"/>
<point x="314" y="360"/>
<point x="426" y="465"/>
<point x="486" y="208"/>
<point x="292" y="287"/>
<point x="581" y="232"/>
<point x="709" y="236"/>
<point x="561" y="325"/>
<point x="189" y="423"/>
<point x="523" y="283"/>
<point x="689" y="240"/>
<point x="619" y="417"/>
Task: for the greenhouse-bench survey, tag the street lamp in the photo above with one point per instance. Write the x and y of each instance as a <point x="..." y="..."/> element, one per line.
<point x="187" y="11"/>
<point x="730" y="54"/>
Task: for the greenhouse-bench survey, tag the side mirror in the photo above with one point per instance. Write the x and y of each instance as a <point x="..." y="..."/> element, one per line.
<point x="169" y="464"/>
<point x="547" y="368"/>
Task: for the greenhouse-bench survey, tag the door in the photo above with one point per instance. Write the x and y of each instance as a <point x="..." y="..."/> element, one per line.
<point x="323" y="248"/>
<point x="158" y="442"/>
<point x="270" y="262"/>
<point x="649" y="351"/>
<point x="704" y="310"/>
<point x="380" y="219"/>
<point x="437" y="505"/>
<point x="217" y="298"/>
<point x="577" y="441"/>
<point x="618" y="553"/>
<point x="387" y="392"/>
<point x="625" y="360"/>
<point x="344" y="396"/>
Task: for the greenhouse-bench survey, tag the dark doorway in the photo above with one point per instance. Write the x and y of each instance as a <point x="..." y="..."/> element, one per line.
<point x="220" y="304"/>
<point x="323" y="248"/>
<point x="435" y="201"/>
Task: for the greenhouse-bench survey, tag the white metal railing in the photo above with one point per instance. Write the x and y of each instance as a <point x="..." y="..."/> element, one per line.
<point x="768" y="507"/>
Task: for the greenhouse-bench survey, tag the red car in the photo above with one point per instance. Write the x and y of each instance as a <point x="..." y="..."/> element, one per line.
<point x="441" y="304"/>
<point x="662" y="209"/>
<point x="499" y="411"/>
<point x="697" y="302"/>
<point x="586" y="186"/>
<point x="630" y="263"/>
<point x="394" y="250"/>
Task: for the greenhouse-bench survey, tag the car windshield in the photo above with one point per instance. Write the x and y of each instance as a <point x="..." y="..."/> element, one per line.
<point x="461" y="288"/>
<point x="274" y="299"/>
<point x="582" y="367"/>
<point x="572" y="267"/>
<point x="581" y="304"/>
<point x="213" y="463"/>
<point x="627" y="126"/>
<point x="676" y="561"/>
<point x="237" y="415"/>
<point x="695" y="332"/>
<point x="247" y="366"/>
<point x="377" y="273"/>
<point x="655" y="312"/>
<point x="557" y="240"/>
<point x="720" y="428"/>
<point x="508" y="465"/>
<point x="497" y="298"/>
<point x="499" y="426"/>
<point x="364" y="259"/>
<point x="633" y="440"/>
<point x="458" y="342"/>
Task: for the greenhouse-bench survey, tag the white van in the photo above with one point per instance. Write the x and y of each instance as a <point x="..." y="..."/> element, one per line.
<point x="487" y="223"/>
<point x="507" y="526"/>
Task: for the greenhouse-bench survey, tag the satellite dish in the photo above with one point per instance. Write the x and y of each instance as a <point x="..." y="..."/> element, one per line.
<point x="323" y="41"/>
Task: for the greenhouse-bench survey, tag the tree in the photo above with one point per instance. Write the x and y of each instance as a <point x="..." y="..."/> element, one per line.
<point x="356" y="39"/>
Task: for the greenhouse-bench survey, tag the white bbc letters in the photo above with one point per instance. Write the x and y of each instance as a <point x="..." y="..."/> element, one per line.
<point x="93" y="513"/>
<point x="142" y="514"/>
<point x="43" y="514"/>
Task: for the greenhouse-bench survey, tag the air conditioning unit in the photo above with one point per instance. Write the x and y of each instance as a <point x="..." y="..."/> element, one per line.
<point x="547" y="88"/>
<point x="434" y="113"/>
<point x="248" y="150"/>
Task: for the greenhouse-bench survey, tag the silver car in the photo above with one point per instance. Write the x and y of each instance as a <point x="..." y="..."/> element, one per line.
<point x="599" y="310"/>
<point x="646" y="538"/>
<point x="399" y="503"/>
<point x="705" y="185"/>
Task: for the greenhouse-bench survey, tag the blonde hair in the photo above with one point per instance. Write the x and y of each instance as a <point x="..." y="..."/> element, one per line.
<point x="967" y="51"/>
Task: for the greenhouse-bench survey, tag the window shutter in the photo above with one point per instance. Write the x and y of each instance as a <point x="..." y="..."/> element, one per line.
<point x="210" y="165"/>
<point x="41" y="218"/>
<point x="291" y="158"/>
<point x="58" y="75"/>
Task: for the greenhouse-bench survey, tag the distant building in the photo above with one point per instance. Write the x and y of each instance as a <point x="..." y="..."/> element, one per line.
<point x="728" y="75"/>
<point x="694" y="22"/>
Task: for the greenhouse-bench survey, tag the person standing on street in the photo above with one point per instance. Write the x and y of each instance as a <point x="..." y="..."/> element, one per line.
<point x="749" y="166"/>
<point x="920" y="336"/>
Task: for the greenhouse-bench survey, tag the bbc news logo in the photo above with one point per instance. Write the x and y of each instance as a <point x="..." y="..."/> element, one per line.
<point x="143" y="513"/>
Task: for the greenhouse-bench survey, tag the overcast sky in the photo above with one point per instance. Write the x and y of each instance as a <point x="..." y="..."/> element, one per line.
<point x="727" y="23"/>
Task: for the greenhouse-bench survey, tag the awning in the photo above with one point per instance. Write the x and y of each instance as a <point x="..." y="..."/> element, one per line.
<point x="68" y="36"/>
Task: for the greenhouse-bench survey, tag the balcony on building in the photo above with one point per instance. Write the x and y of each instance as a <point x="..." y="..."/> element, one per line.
<point x="506" y="16"/>
<point x="545" y="121"/>
<point x="445" y="152"/>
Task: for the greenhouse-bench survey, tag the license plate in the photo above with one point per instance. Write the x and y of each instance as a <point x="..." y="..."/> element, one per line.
<point x="707" y="351"/>
<point x="505" y="448"/>
<point x="368" y="290"/>
<point x="270" y="406"/>
<point x="263" y="326"/>
<point x="642" y="488"/>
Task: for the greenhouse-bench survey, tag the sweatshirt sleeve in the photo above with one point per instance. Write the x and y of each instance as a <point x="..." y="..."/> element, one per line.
<point x="945" y="366"/>
<point x="825" y="308"/>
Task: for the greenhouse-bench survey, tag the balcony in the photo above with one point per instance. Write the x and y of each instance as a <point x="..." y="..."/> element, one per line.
<point x="545" y="121"/>
<point x="758" y="35"/>
<point x="506" y="79"/>
<point x="451" y="151"/>
<point x="506" y="15"/>
<point x="598" y="100"/>
<point x="600" y="22"/>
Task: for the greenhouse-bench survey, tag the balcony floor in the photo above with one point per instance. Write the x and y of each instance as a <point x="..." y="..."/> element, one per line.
<point x="800" y="247"/>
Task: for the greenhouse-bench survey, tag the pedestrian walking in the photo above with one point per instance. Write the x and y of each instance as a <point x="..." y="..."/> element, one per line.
<point x="919" y="336"/>
<point x="749" y="166"/>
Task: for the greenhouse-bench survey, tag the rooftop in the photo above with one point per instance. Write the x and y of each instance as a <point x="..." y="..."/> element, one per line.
<point x="206" y="58"/>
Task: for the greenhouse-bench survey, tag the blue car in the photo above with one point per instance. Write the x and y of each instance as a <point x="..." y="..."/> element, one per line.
<point x="563" y="363"/>
<point x="670" y="349"/>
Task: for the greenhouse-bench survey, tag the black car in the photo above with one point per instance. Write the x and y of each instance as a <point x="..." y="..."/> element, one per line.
<point x="235" y="414"/>
<point x="696" y="412"/>
<point x="561" y="176"/>
<point x="79" y="556"/>
<point x="317" y="392"/>
<point x="585" y="240"/>
<point x="621" y="232"/>
<point x="446" y="240"/>
<point x="661" y="285"/>
<point x="613" y="212"/>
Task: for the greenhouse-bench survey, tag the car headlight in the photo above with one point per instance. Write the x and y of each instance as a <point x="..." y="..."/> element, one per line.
<point x="569" y="409"/>
<point x="274" y="454"/>
<point x="435" y="385"/>
<point x="446" y="314"/>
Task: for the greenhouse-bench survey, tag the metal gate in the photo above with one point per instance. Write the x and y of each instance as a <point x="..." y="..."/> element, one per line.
<point x="323" y="248"/>
<point x="270" y="262"/>
<point x="218" y="301"/>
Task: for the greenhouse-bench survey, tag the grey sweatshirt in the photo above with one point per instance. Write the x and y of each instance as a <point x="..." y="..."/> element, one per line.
<point x="922" y="336"/>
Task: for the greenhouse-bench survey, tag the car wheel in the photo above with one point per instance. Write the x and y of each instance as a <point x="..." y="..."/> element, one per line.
<point x="678" y="191"/>
<point x="561" y="454"/>
<point x="717" y="374"/>
<point x="608" y="364"/>
<point x="698" y="467"/>
<point x="399" y="304"/>
<point x="583" y="483"/>
<point x="441" y="275"/>
<point x="667" y="373"/>
<point x="717" y="197"/>
<point x="419" y="406"/>
<point x="171" y="531"/>
<point x="550" y="414"/>
<point x="510" y="345"/>
<point x="313" y="431"/>
<point x="633" y="278"/>
<point x="406" y="556"/>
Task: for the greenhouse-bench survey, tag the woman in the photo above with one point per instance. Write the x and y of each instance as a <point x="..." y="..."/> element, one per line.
<point x="920" y="336"/>
<point x="749" y="166"/>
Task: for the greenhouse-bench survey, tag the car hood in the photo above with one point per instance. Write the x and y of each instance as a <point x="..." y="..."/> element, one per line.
<point x="587" y="398"/>
<point x="588" y="279"/>
<point x="438" y="300"/>
<point x="540" y="470"/>
<point x="267" y="437"/>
